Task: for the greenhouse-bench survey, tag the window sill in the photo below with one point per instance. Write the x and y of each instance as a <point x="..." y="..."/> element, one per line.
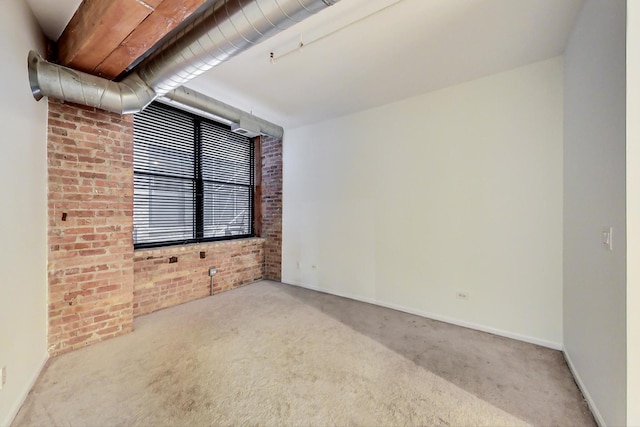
<point x="192" y="247"/>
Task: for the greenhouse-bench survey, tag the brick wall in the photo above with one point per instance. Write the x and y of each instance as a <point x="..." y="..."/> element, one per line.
<point x="90" y="264"/>
<point x="95" y="287"/>
<point x="271" y="151"/>
<point x="159" y="284"/>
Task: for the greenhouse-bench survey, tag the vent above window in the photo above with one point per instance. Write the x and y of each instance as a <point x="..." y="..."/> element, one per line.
<point x="246" y="127"/>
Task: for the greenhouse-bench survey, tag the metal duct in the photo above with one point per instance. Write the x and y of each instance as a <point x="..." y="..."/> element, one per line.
<point x="221" y="32"/>
<point x="128" y="96"/>
<point x="192" y="99"/>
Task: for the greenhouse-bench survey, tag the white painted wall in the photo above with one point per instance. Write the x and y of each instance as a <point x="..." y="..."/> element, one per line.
<point x="594" y="197"/>
<point x="633" y="213"/>
<point x="455" y="190"/>
<point x="23" y="215"/>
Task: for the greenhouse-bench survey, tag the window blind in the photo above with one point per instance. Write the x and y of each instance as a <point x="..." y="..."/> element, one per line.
<point x="193" y="179"/>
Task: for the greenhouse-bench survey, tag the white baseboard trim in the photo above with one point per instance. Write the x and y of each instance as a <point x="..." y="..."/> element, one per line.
<point x="583" y="389"/>
<point x="32" y="381"/>
<point x="453" y="321"/>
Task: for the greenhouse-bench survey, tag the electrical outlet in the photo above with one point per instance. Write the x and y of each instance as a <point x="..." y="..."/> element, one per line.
<point x="3" y="376"/>
<point x="212" y="272"/>
<point x="462" y="295"/>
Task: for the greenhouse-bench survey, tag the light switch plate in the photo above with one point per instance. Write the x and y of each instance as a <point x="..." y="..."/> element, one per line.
<point x="607" y="237"/>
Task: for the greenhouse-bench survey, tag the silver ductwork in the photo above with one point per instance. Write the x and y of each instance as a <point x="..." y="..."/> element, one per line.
<point x="220" y="33"/>
<point x="193" y="100"/>
<point x="126" y="97"/>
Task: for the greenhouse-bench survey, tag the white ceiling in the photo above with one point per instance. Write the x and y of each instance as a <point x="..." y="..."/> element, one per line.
<point x="53" y="15"/>
<point x="409" y="48"/>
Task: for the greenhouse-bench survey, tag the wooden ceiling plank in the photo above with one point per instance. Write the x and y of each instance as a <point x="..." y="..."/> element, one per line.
<point x="167" y="15"/>
<point x="96" y="29"/>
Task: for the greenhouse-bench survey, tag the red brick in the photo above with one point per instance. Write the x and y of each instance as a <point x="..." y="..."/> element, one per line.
<point x="159" y="285"/>
<point x="79" y="182"/>
<point x="271" y="149"/>
<point x="97" y="283"/>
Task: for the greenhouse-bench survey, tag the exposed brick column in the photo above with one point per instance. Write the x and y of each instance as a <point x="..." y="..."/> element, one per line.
<point x="272" y="206"/>
<point x="90" y="265"/>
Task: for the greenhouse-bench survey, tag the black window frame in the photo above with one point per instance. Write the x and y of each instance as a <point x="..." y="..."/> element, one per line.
<point x="199" y="184"/>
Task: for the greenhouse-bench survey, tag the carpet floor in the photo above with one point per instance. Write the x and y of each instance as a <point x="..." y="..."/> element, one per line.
<point x="273" y="354"/>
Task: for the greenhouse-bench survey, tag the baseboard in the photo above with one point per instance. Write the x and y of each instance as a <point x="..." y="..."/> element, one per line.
<point x="421" y="313"/>
<point x="21" y="400"/>
<point x="583" y="389"/>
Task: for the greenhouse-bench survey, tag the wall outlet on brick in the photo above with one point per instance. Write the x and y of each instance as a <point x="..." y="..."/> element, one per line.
<point x="212" y="272"/>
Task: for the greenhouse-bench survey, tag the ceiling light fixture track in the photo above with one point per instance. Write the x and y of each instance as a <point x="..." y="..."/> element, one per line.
<point x="273" y="58"/>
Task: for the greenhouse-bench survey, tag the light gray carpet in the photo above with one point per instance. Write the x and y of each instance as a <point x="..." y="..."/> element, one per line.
<point x="272" y="354"/>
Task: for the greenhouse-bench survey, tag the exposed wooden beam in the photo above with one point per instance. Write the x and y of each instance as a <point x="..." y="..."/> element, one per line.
<point x="97" y="28"/>
<point x="168" y="15"/>
<point x="104" y="37"/>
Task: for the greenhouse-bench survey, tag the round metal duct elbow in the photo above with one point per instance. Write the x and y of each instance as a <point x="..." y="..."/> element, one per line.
<point x="128" y="96"/>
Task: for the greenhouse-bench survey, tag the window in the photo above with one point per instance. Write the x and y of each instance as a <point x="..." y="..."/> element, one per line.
<point x="193" y="179"/>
